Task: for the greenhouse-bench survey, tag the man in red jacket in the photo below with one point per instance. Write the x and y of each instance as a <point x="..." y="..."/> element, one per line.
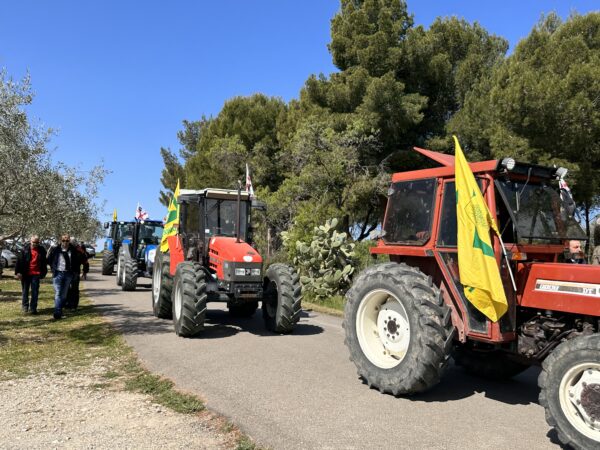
<point x="31" y="267"/>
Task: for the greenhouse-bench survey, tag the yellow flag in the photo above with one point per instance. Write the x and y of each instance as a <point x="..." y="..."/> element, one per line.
<point x="479" y="273"/>
<point x="171" y="221"/>
<point x="115" y="215"/>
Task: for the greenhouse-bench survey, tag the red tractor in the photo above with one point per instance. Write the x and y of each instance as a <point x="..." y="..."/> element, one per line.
<point x="211" y="259"/>
<point x="404" y="319"/>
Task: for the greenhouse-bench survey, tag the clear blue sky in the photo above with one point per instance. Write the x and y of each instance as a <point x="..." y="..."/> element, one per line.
<point x="116" y="78"/>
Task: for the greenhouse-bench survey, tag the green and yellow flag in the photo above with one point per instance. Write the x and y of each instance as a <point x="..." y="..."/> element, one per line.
<point x="479" y="273"/>
<point x="115" y="215"/>
<point x="171" y="221"/>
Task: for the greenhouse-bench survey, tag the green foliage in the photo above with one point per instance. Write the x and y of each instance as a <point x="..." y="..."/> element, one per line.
<point x="541" y="104"/>
<point x="326" y="262"/>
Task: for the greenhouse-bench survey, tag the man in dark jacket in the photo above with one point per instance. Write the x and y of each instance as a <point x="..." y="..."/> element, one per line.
<point x="64" y="261"/>
<point x="30" y="268"/>
<point x="72" y="300"/>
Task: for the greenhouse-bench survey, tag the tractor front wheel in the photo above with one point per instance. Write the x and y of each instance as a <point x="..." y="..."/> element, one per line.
<point x="570" y="391"/>
<point x="281" y="304"/>
<point x="493" y="365"/>
<point x="129" y="275"/>
<point x="108" y="263"/>
<point x="398" y="329"/>
<point x="189" y="299"/>
<point x="162" y="286"/>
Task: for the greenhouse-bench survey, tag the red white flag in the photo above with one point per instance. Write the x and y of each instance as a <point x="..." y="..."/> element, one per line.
<point x="140" y="214"/>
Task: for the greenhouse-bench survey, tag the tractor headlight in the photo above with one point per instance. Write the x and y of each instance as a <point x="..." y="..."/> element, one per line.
<point x="152" y="255"/>
<point x="508" y="163"/>
<point x="240" y="272"/>
<point x="255" y="272"/>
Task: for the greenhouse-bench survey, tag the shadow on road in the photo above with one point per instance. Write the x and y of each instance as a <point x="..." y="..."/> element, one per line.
<point x="457" y="384"/>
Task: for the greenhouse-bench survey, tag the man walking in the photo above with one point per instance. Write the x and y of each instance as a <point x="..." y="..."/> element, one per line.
<point x="30" y="268"/>
<point x="64" y="261"/>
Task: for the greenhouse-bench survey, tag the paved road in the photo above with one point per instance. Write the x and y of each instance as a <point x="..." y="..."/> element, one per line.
<point x="301" y="392"/>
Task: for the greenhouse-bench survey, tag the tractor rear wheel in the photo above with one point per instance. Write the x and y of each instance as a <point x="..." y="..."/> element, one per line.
<point x="493" y="365"/>
<point x="162" y="286"/>
<point x="120" y="271"/>
<point x="189" y="299"/>
<point x="129" y="275"/>
<point x="398" y="329"/>
<point x="108" y="263"/>
<point x="281" y="304"/>
<point x="246" y="309"/>
<point x="570" y="391"/>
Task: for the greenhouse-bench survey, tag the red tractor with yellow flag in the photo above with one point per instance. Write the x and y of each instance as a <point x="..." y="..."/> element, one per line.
<point x="206" y="256"/>
<point x="478" y="271"/>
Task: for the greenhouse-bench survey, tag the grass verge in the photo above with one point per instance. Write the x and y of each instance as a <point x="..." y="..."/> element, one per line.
<point x="333" y="305"/>
<point x="33" y="344"/>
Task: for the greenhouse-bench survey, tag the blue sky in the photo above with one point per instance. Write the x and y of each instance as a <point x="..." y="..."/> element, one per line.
<point x="116" y="78"/>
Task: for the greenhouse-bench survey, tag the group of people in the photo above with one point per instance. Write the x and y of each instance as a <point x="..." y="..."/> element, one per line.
<point x="68" y="263"/>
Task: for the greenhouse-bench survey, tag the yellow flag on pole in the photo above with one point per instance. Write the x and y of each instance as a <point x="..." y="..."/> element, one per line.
<point x="171" y="221"/>
<point x="115" y="215"/>
<point x="479" y="273"/>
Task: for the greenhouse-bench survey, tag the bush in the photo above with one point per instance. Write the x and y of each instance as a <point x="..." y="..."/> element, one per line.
<point x="326" y="264"/>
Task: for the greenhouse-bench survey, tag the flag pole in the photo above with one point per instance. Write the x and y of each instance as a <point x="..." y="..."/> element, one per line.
<point x="512" y="277"/>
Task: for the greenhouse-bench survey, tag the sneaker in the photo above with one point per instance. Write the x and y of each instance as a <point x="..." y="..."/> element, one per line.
<point x="24" y="310"/>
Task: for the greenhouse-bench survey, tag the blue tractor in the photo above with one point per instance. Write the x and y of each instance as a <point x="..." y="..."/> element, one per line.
<point x="119" y="232"/>
<point x="136" y="255"/>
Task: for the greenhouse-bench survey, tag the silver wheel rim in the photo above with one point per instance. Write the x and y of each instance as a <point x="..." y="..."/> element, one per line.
<point x="578" y="378"/>
<point x="119" y="268"/>
<point x="178" y="301"/>
<point x="156" y="277"/>
<point x="383" y="328"/>
<point x="123" y="275"/>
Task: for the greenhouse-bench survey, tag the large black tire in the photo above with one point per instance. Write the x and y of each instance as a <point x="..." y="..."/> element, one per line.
<point x="570" y="391"/>
<point x="404" y="325"/>
<point x="108" y="263"/>
<point x="282" y="296"/>
<point x="162" y="286"/>
<point x="493" y="365"/>
<point x="120" y="265"/>
<point x="130" y="275"/>
<point x="189" y="299"/>
<point x="246" y="309"/>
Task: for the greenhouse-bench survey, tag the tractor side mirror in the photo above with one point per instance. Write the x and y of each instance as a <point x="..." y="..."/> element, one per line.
<point x="106" y="225"/>
<point x="261" y="206"/>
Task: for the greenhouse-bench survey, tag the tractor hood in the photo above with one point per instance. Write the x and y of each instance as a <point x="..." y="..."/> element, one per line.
<point x="228" y="249"/>
<point x="562" y="287"/>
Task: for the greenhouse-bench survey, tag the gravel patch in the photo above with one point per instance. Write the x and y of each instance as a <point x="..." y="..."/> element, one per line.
<point x="70" y="410"/>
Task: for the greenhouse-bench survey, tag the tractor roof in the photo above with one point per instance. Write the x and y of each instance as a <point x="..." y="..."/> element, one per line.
<point x="447" y="169"/>
<point x="221" y="194"/>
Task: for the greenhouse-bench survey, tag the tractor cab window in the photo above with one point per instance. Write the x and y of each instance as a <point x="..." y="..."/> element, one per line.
<point x="538" y="213"/>
<point x="124" y="231"/>
<point x="221" y="217"/>
<point x="150" y="234"/>
<point x="448" y="231"/>
<point x="409" y="213"/>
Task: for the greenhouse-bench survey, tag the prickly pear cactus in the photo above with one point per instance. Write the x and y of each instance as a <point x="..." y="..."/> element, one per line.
<point x="326" y="265"/>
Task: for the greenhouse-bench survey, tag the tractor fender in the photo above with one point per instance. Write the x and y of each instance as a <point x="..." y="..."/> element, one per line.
<point x="176" y="252"/>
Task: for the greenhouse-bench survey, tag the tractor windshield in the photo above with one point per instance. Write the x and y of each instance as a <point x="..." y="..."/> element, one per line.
<point x="124" y="231"/>
<point x="150" y="233"/>
<point x="538" y="213"/>
<point x="221" y="218"/>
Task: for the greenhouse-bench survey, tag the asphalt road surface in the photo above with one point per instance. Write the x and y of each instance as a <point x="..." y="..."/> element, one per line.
<point x="300" y="391"/>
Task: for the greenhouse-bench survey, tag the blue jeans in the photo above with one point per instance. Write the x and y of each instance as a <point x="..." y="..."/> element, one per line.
<point x="32" y="281"/>
<point x="61" y="282"/>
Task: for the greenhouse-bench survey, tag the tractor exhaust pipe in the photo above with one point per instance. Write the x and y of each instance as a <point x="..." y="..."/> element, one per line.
<point x="239" y="211"/>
